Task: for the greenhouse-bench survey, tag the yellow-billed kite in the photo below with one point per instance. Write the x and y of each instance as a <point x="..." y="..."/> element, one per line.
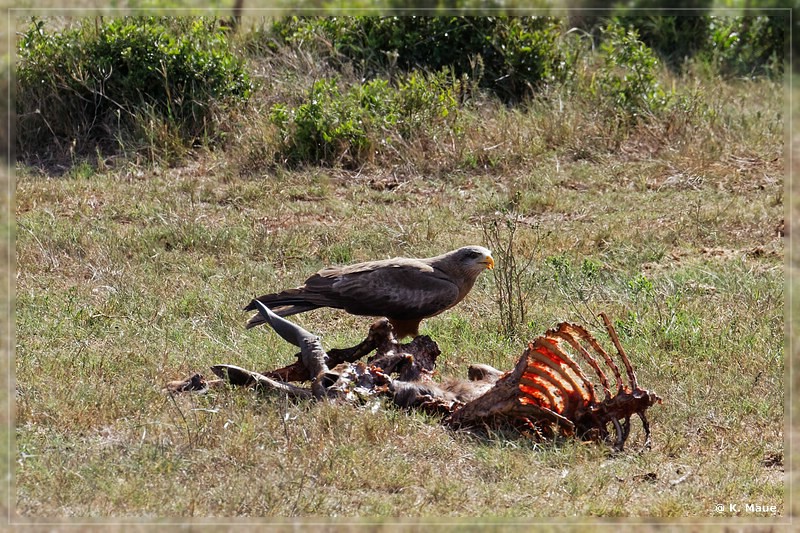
<point x="402" y="289"/>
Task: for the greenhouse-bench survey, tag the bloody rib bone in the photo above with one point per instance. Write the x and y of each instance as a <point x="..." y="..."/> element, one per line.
<point x="584" y="394"/>
<point x="620" y="351"/>
<point x="589" y="358"/>
<point x="582" y="333"/>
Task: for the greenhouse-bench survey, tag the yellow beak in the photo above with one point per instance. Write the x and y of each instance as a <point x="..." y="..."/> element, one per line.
<point x="489" y="262"/>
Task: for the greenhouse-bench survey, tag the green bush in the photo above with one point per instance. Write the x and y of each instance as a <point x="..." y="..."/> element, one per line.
<point x="627" y="77"/>
<point x="675" y="34"/>
<point x="348" y="128"/>
<point x="510" y="56"/>
<point x="749" y="45"/>
<point x="754" y="43"/>
<point x="327" y="127"/>
<point x="674" y="38"/>
<point x="102" y="84"/>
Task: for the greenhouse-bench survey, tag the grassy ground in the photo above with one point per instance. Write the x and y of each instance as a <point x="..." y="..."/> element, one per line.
<point x="133" y="275"/>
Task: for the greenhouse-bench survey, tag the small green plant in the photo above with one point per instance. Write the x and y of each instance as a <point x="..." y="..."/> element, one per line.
<point x="579" y="285"/>
<point x="640" y="285"/>
<point x="561" y="267"/>
<point x="100" y="84"/>
<point x="627" y="79"/>
<point x="590" y="268"/>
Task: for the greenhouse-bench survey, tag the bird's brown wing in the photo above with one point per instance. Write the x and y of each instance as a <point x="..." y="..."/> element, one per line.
<point x="403" y="290"/>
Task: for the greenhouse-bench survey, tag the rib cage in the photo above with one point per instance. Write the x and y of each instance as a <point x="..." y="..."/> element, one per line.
<point x="554" y="383"/>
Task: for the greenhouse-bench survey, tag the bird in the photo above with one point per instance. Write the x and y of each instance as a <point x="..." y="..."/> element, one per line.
<point x="404" y="290"/>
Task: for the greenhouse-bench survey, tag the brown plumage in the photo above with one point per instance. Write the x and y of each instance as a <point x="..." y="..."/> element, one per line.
<point x="404" y="290"/>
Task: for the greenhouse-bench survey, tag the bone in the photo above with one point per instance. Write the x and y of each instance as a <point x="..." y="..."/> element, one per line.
<point x="239" y="376"/>
<point x="582" y="333"/>
<point x="569" y="361"/>
<point x="613" y="334"/>
<point x="563" y="332"/>
<point x="312" y="355"/>
<point x="570" y="402"/>
<point x="288" y="331"/>
<point x="547" y="389"/>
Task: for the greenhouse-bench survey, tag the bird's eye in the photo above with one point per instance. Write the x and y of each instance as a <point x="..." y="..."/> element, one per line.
<point x="473" y="254"/>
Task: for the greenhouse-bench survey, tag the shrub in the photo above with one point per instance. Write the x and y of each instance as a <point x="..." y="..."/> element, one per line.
<point x="324" y="128"/>
<point x="510" y="56"/>
<point x="754" y="43"/>
<point x="348" y="128"/>
<point x="674" y="38"/>
<point x="514" y="288"/>
<point x="627" y="78"/>
<point x="675" y="34"/>
<point x="749" y="45"/>
<point x="100" y="83"/>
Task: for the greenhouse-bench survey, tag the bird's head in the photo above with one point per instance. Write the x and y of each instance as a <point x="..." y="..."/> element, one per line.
<point x="474" y="259"/>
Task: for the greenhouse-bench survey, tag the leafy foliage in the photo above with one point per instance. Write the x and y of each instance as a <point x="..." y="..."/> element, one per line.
<point x="627" y="79"/>
<point x="348" y="128"/>
<point x="753" y="43"/>
<point x="101" y="81"/>
<point x="673" y="38"/>
<point x="160" y="86"/>
<point x="749" y="46"/>
<point x="675" y="34"/>
<point x="510" y="56"/>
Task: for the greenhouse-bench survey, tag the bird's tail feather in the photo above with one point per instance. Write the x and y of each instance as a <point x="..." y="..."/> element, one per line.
<point x="273" y="300"/>
<point x="284" y="303"/>
<point x="286" y="298"/>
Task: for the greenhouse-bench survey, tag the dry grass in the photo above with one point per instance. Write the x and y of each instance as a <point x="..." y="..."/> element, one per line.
<point x="135" y="275"/>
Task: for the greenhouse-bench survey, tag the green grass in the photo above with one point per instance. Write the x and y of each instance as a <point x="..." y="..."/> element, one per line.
<point x="133" y="275"/>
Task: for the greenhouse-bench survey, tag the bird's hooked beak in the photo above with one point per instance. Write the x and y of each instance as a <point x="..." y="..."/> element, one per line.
<point x="489" y="262"/>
